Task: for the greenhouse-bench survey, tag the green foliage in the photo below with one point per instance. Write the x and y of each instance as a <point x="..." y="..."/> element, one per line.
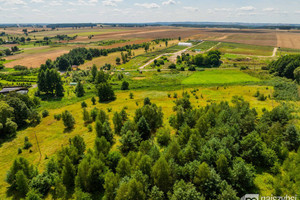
<point x="125" y="85"/>
<point x="68" y="174"/>
<point x="105" y="92"/>
<point x="68" y="119"/>
<point x="83" y="104"/>
<point x="22" y="183"/>
<point x="33" y="195"/>
<point x="123" y="168"/>
<point x="27" y="144"/>
<point x="152" y="114"/>
<point x="57" y="117"/>
<point x="183" y="190"/>
<point x="143" y="128"/>
<point x="285" y="66"/>
<point x="93" y="100"/>
<point x="49" y="81"/>
<point x="285" y="90"/>
<point x="79" y="90"/>
<point x="45" y="113"/>
<point x="163" y="136"/>
<point x="161" y="173"/>
<point x="297" y="74"/>
<point x="130" y="141"/>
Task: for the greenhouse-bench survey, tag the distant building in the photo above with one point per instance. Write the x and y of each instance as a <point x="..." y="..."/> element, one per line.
<point x="197" y="50"/>
<point x="75" y="67"/>
<point x="185" y="44"/>
<point x="73" y="84"/>
<point x="20" y="90"/>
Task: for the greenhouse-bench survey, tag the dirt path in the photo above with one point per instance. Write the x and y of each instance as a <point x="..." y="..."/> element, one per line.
<point x="211" y="48"/>
<point x="274" y="52"/>
<point x="174" y="56"/>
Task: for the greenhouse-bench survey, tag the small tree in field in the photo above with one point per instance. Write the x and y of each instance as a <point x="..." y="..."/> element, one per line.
<point x="125" y="85"/>
<point x="68" y="119"/>
<point x="118" y="60"/>
<point x="105" y="92"/>
<point x="93" y="100"/>
<point x="79" y="90"/>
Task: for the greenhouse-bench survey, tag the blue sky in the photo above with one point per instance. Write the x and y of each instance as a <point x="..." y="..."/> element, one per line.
<point x="73" y="11"/>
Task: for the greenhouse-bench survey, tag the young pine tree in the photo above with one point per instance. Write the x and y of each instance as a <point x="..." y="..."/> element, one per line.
<point x="79" y="90"/>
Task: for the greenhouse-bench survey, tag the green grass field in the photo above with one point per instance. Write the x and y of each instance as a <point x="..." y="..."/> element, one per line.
<point x="246" y="49"/>
<point x="210" y="77"/>
<point x="204" y="45"/>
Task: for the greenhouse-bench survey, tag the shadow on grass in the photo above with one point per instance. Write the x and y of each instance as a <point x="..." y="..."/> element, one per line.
<point x="12" y="194"/>
<point x="68" y="130"/>
<point x="50" y="98"/>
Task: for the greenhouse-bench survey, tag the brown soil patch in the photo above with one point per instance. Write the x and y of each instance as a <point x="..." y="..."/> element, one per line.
<point x="288" y="39"/>
<point x="34" y="60"/>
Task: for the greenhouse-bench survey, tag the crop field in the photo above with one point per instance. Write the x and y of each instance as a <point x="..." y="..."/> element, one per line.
<point x="206" y="45"/>
<point x="288" y="39"/>
<point x="247" y="42"/>
<point x="218" y="77"/>
<point x="236" y="48"/>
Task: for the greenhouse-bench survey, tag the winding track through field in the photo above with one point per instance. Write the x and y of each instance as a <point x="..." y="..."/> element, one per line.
<point x="178" y="53"/>
<point x="165" y="54"/>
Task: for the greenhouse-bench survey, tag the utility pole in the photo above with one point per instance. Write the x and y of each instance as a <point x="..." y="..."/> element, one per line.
<point x="37" y="142"/>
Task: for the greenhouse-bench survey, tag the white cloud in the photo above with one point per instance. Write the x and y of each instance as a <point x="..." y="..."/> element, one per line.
<point x="169" y="2"/>
<point x="269" y="9"/>
<point x="111" y="2"/>
<point x="37" y="1"/>
<point x="222" y="9"/>
<point x="36" y="10"/>
<point x="84" y="3"/>
<point x="55" y="3"/>
<point x="247" y="8"/>
<point x="147" y="5"/>
<point x="71" y="9"/>
<point x="191" y="9"/>
<point x="13" y="2"/>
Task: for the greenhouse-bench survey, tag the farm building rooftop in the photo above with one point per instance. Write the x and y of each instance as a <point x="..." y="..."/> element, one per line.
<point x="13" y="89"/>
<point x="185" y="44"/>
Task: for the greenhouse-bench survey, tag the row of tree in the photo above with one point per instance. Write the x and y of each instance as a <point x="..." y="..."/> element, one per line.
<point x="211" y="59"/>
<point x="49" y="81"/>
<point x="77" y="56"/>
<point x="16" y="111"/>
<point x="286" y="66"/>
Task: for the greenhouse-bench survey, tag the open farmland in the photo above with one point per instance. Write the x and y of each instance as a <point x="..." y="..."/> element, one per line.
<point x="209" y="77"/>
<point x="158" y="101"/>
<point x="236" y="48"/>
<point x="288" y="39"/>
<point x="247" y="42"/>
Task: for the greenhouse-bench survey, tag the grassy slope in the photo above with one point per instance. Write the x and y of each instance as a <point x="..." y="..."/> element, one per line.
<point x="51" y="136"/>
<point x="218" y="77"/>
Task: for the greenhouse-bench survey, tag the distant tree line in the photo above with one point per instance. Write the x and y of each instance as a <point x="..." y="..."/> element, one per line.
<point x="77" y="56"/>
<point x="286" y="66"/>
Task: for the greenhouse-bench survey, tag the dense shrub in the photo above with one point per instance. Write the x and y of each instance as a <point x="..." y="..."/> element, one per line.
<point x="45" y="113"/>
